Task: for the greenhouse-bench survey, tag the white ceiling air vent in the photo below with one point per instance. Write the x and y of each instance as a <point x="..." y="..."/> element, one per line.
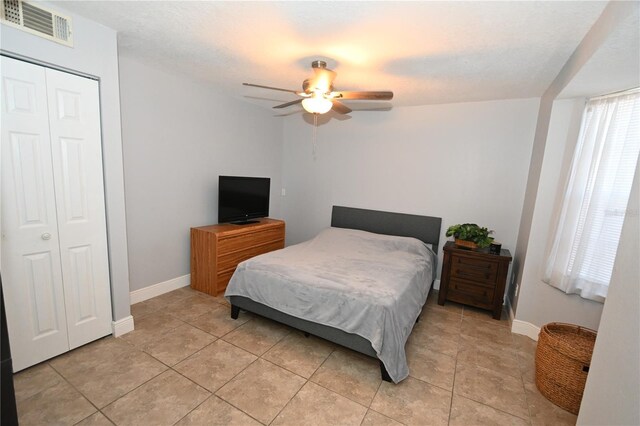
<point x="36" y="20"/>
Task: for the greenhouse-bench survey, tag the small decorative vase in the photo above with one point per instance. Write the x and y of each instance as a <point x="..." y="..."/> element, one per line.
<point x="466" y="244"/>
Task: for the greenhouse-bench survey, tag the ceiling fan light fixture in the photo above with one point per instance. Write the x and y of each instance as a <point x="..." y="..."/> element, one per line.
<point x="317" y="104"/>
<point x="318" y="96"/>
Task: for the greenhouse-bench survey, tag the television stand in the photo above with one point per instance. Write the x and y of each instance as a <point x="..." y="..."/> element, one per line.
<point x="216" y="250"/>
<point x="245" y="222"/>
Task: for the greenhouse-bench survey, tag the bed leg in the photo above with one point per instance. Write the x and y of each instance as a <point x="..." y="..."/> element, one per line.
<point x="235" y="311"/>
<point x="384" y="373"/>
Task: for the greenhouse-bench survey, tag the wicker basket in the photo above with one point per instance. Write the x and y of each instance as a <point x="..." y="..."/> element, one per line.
<point x="563" y="357"/>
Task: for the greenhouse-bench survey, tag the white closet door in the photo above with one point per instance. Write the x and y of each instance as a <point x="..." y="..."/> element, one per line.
<point x="31" y="272"/>
<point x="74" y="122"/>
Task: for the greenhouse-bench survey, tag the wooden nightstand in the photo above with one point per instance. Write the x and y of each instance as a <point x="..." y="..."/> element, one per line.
<point x="475" y="278"/>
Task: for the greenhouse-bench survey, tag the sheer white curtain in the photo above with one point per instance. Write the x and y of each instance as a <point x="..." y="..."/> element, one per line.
<point x="585" y="242"/>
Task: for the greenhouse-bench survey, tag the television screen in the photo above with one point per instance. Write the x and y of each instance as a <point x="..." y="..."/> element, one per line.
<point x="242" y="198"/>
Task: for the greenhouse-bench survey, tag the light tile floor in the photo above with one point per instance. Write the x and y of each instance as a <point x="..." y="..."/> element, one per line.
<point x="188" y="363"/>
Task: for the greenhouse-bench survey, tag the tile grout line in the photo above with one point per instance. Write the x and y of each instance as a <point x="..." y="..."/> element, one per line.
<point x="306" y="380"/>
<point x="88" y="399"/>
<point x="455" y="370"/>
<point x="126" y="393"/>
<point x="138" y="348"/>
<point x="489" y="406"/>
<point x="266" y="360"/>
<point x="290" y="371"/>
<point x="526" y="397"/>
<point x="218" y="337"/>
<point x="431" y="384"/>
<point x="213" y="394"/>
<point x="236" y="407"/>
<point x="492" y="407"/>
<point x="524" y="389"/>
<point x="337" y="393"/>
<point x="289" y="401"/>
<point x="259" y="356"/>
<point x="370" y="403"/>
<point x="169" y="368"/>
<point x="92" y="403"/>
<point x="229" y="381"/>
<point x="77" y="390"/>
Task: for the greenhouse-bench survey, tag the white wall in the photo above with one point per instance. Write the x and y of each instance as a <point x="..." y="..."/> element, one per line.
<point x="612" y="391"/>
<point x="94" y="53"/>
<point x="178" y="136"/>
<point x="539" y="302"/>
<point x="462" y="162"/>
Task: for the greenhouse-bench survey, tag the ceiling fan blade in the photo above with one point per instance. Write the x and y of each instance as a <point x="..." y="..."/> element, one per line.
<point x="297" y="101"/>
<point x="270" y="88"/>
<point x="378" y="96"/>
<point x="340" y="108"/>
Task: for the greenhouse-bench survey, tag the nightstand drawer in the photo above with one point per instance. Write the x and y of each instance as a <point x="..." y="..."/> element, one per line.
<point x="472" y="289"/>
<point x="466" y="292"/>
<point x="474" y="269"/>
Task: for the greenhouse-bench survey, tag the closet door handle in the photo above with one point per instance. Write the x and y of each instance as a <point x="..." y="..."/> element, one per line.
<point x="46" y="236"/>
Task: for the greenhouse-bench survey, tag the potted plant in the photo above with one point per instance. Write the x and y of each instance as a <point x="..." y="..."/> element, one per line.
<point x="470" y="235"/>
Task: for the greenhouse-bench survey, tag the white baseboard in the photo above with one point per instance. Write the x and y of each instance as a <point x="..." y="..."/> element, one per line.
<point x="436" y="284"/>
<point x="158" y="289"/>
<point x="521" y="327"/>
<point x="122" y="326"/>
<point x="525" y="328"/>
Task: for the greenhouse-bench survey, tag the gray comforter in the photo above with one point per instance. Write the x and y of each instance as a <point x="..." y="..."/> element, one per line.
<point x="367" y="284"/>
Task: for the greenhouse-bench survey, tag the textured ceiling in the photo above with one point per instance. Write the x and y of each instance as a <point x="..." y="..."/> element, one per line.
<point x="426" y="52"/>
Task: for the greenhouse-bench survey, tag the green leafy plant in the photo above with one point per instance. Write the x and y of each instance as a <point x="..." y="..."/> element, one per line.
<point x="471" y="232"/>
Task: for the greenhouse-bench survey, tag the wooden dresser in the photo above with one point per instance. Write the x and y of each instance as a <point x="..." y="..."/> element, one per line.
<point x="475" y="278"/>
<point x="216" y="250"/>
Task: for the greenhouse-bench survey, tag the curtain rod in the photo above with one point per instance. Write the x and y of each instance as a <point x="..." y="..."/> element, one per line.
<point x="619" y="93"/>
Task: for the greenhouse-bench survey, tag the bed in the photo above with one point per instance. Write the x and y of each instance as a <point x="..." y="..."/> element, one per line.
<point x="336" y="298"/>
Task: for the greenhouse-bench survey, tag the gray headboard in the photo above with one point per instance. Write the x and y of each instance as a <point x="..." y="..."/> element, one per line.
<point x="424" y="228"/>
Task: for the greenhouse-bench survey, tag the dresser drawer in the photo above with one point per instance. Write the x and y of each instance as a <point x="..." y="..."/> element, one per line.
<point x="470" y="293"/>
<point x="223" y="279"/>
<point x="231" y="243"/>
<point x="231" y="259"/>
<point x="474" y="269"/>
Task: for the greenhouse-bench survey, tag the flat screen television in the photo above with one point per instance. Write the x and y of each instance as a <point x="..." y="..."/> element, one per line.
<point x="241" y="199"/>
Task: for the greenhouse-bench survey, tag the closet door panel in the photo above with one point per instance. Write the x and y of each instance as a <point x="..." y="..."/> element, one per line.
<point x="74" y="118"/>
<point x="30" y="256"/>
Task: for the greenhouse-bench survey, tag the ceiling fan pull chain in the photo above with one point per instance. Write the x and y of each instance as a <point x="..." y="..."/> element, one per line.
<point x="315" y="135"/>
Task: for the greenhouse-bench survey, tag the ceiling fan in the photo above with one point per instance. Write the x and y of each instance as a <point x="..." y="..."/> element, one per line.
<point x="318" y="96"/>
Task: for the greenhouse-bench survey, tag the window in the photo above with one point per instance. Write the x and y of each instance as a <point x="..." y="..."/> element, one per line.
<point x="595" y="201"/>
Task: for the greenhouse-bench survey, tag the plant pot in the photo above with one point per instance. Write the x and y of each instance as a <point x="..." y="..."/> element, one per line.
<point x="466" y="244"/>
